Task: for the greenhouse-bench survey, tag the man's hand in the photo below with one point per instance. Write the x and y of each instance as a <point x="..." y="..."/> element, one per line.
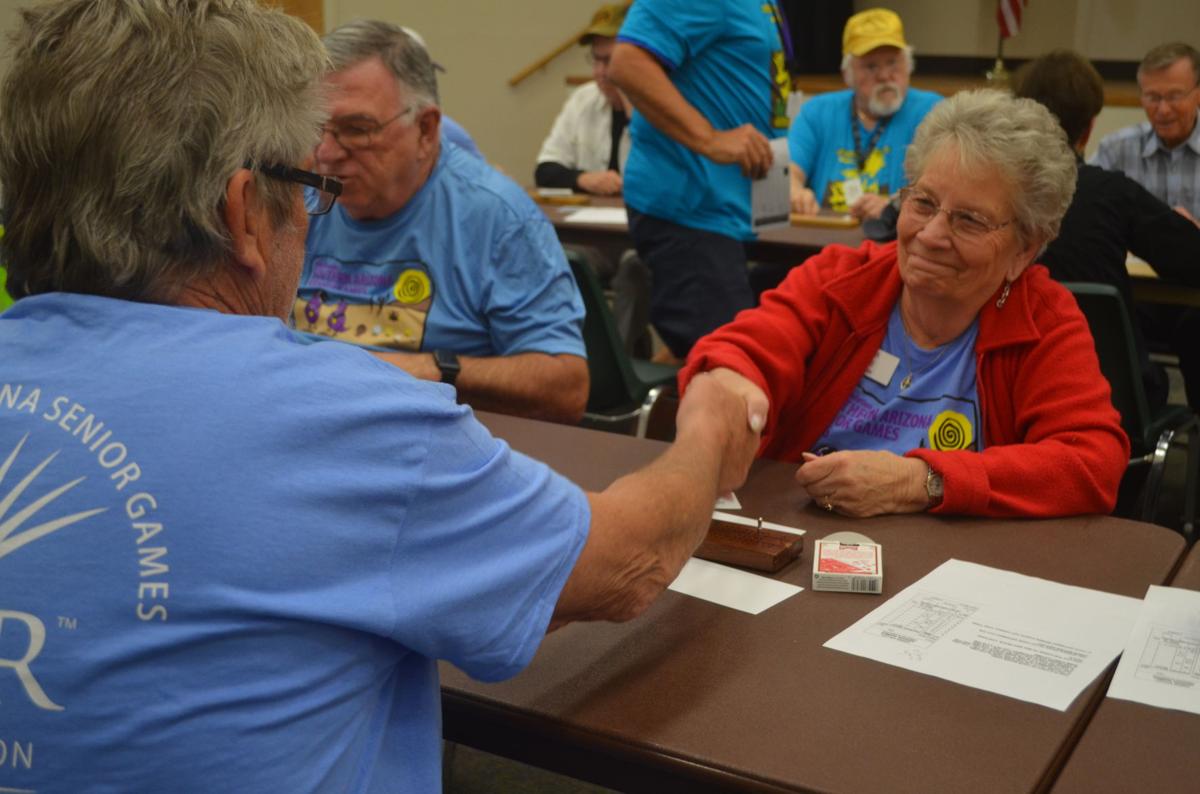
<point x="744" y="145"/>
<point x="710" y="406"/>
<point x="804" y="201"/>
<point x="869" y="206"/>
<point x="864" y="483"/>
<point x="757" y="403"/>
<point x="600" y="183"/>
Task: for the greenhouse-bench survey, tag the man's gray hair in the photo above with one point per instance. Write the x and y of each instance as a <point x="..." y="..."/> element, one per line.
<point x="848" y="61"/>
<point x="1019" y="137"/>
<point x="403" y="55"/>
<point x="121" y="124"/>
<point x="1165" y="55"/>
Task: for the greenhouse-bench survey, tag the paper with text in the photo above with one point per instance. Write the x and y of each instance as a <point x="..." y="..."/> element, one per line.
<point x="770" y="200"/>
<point x="611" y="216"/>
<point x="1004" y="632"/>
<point x="1161" y="663"/>
<point x="730" y="587"/>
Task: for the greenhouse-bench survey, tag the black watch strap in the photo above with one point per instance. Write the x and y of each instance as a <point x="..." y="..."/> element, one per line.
<point x="447" y="364"/>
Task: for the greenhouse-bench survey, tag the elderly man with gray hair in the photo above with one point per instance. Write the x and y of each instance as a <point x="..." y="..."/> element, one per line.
<point x="229" y="558"/>
<point x="847" y="147"/>
<point x="431" y="257"/>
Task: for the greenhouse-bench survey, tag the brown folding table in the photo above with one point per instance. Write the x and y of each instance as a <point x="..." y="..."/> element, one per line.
<point x="693" y="696"/>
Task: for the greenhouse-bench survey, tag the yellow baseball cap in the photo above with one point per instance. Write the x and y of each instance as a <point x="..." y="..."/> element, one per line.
<point x="606" y="22"/>
<point x="875" y="27"/>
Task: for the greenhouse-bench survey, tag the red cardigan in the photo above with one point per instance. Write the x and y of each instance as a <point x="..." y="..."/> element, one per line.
<point x="1053" y="443"/>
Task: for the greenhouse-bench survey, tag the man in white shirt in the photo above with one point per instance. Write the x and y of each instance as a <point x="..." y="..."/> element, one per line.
<point x="586" y="146"/>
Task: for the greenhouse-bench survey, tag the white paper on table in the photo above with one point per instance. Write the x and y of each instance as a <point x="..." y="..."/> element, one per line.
<point x="747" y="521"/>
<point x="613" y="216"/>
<point x="730" y="587"/>
<point x="1003" y="632"/>
<point x="770" y="202"/>
<point x="728" y="502"/>
<point x="1161" y="663"/>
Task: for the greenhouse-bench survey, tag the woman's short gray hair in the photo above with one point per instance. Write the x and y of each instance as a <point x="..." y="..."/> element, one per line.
<point x="1017" y="136"/>
<point x="121" y="124"/>
<point x="403" y="55"/>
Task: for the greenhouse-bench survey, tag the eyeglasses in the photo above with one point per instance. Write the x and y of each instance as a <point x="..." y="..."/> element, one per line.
<point x="359" y="133"/>
<point x="320" y="191"/>
<point x="964" y="224"/>
<point x="598" y="60"/>
<point x="876" y="68"/>
<point x="1173" y="98"/>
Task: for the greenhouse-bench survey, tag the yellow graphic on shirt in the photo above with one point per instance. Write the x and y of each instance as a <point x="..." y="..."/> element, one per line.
<point x="781" y="79"/>
<point x="835" y="198"/>
<point x="413" y="286"/>
<point x="398" y="324"/>
<point x="950" y="431"/>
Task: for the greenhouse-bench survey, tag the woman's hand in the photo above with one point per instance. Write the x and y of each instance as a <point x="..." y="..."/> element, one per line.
<point x="864" y="483"/>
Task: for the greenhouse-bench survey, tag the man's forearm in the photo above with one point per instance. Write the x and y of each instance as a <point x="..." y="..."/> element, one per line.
<point x="647" y="85"/>
<point x="535" y="385"/>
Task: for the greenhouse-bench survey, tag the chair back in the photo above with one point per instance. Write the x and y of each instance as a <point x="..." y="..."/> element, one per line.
<point x="614" y="384"/>
<point x="1112" y="331"/>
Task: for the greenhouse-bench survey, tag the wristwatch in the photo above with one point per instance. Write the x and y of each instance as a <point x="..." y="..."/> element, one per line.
<point x="447" y="363"/>
<point x="933" y="487"/>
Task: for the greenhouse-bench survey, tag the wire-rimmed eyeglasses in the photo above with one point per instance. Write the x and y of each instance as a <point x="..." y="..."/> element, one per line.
<point x="964" y="224"/>
<point x="320" y="191"/>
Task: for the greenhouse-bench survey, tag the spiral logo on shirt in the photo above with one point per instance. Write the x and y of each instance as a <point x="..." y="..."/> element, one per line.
<point x="950" y="431"/>
<point x="412" y="286"/>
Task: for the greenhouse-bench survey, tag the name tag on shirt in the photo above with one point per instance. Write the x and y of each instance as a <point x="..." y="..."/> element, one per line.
<point x="852" y="191"/>
<point x="883" y="366"/>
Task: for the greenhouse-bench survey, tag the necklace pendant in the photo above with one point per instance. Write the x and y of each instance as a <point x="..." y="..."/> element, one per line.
<point x="904" y="384"/>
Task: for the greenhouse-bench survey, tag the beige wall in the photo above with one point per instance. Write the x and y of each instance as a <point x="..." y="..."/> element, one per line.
<point x="483" y="42"/>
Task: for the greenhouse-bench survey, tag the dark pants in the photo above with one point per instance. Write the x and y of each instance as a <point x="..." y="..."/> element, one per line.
<point x="1174" y="329"/>
<point x="698" y="279"/>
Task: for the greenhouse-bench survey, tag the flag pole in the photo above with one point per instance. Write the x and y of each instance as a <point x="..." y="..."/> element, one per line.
<point x="997" y="76"/>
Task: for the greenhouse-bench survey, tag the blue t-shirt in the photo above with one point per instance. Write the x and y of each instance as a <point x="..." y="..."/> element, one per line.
<point x="821" y="142"/>
<point x="457" y="134"/>
<point x="726" y="59"/>
<point x="939" y="408"/>
<point x="228" y="559"/>
<point x="469" y="264"/>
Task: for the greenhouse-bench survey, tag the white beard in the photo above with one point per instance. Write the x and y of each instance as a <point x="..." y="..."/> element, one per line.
<point x="881" y="107"/>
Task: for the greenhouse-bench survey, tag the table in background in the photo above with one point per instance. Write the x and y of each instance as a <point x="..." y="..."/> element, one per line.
<point x="1134" y="747"/>
<point x="697" y="697"/>
<point x="789" y="245"/>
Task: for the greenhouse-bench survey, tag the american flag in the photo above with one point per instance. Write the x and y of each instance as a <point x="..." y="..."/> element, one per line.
<point x="1008" y="14"/>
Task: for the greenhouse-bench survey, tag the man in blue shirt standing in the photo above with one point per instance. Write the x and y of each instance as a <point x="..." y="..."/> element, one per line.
<point x="230" y="559"/>
<point x="847" y="147"/>
<point x="709" y="85"/>
<point x="431" y="254"/>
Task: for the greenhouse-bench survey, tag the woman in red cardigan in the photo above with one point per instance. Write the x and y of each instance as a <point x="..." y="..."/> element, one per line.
<point x="945" y="371"/>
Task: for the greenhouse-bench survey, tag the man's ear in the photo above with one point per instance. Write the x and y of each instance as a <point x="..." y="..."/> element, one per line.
<point x="429" y="122"/>
<point x="247" y="223"/>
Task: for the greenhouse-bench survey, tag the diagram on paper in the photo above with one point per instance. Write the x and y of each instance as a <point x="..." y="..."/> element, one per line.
<point x="923" y="620"/>
<point x="1170" y="657"/>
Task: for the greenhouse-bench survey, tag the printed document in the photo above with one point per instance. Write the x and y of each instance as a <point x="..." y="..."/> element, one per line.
<point x="609" y="216"/>
<point x="1161" y="663"/>
<point x="1015" y="635"/>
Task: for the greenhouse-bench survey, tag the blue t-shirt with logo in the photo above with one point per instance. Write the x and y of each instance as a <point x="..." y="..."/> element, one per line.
<point x="939" y="408"/>
<point x="821" y="141"/>
<point x="229" y="559"/>
<point x="726" y="58"/>
<point x="469" y="264"/>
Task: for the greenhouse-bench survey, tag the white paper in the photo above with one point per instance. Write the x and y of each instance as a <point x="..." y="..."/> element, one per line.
<point x="729" y="502"/>
<point x="614" y="216"/>
<point x="1161" y="663"/>
<point x="730" y="587"/>
<point x="555" y="191"/>
<point x="770" y="202"/>
<point x="747" y="521"/>
<point x="1000" y="631"/>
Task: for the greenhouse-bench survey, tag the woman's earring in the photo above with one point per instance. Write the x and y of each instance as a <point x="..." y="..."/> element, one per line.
<point x="1003" y="295"/>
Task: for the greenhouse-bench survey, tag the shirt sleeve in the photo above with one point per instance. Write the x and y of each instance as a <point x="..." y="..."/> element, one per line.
<point x="560" y="144"/>
<point x="802" y="143"/>
<point x="673" y="30"/>
<point x="532" y="301"/>
<point x="487" y="544"/>
<point x="1161" y="236"/>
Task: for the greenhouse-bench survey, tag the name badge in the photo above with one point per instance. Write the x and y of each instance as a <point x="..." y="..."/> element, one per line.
<point x="883" y="367"/>
<point x="852" y="191"/>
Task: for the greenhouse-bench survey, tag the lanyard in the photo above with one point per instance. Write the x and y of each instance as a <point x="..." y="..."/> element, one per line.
<point x="860" y="155"/>
<point x="784" y="33"/>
